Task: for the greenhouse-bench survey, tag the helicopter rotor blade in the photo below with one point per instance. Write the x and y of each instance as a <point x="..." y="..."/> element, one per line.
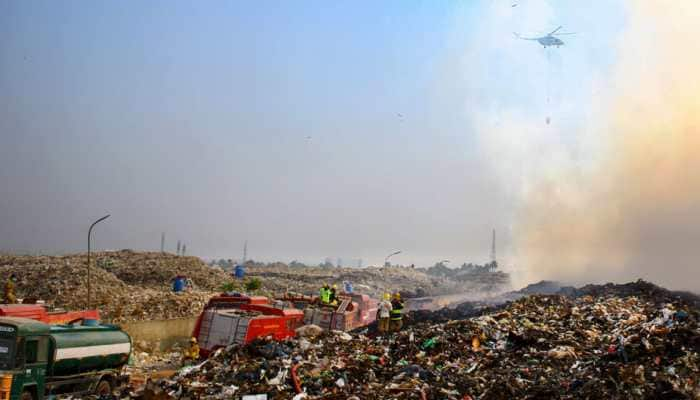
<point x="554" y="31"/>
<point x="565" y="33"/>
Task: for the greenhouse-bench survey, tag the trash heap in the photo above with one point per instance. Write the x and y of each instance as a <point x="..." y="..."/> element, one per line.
<point x="538" y="347"/>
<point x="125" y="285"/>
<point x="373" y="281"/>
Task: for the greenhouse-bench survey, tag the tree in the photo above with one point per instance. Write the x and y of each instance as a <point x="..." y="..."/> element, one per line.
<point x="253" y="284"/>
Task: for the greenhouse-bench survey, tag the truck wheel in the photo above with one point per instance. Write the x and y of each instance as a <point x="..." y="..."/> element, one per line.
<point x="27" y="395"/>
<point x="104" y="388"/>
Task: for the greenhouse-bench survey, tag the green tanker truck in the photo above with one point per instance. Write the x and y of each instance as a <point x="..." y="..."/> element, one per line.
<point x="38" y="360"/>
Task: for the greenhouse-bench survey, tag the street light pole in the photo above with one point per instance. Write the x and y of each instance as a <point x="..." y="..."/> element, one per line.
<point x="386" y="259"/>
<point x="88" y="258"/>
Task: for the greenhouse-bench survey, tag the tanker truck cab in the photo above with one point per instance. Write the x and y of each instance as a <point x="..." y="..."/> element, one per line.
<point x="37" y="359"/>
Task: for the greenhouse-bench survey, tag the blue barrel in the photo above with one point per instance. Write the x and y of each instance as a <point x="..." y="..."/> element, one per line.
<point x="239" y="271"/>
<point x="179" y="284"/>
<point x="348" y="286"/>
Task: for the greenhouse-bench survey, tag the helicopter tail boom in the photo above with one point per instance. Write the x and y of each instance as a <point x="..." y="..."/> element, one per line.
<point x="523" y="38"/>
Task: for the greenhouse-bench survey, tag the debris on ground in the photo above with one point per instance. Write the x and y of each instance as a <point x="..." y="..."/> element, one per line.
<point x="640" y="344"/>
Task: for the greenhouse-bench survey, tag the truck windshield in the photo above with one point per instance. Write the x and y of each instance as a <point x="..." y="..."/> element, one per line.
<point x="7" y="346"/>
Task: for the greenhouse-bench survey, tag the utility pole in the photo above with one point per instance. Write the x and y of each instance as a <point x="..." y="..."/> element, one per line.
<point x="88" y="258"/>
<point x="178" y="248"/>
<point x="386" y="259"/>
<point x="184" y="249"/>
<point x="245" y="252"/>
<point x="493" y="246"/>
<point x="162" y="243"/>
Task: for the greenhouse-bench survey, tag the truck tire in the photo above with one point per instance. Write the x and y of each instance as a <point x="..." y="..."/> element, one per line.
<point x="104" y="388"/>
<point x="27" y="395"/>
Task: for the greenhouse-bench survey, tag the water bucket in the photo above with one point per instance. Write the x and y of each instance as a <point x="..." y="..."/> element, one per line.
<point x="179" y="284"/>
<point x="348" y="287"/>
<point x="239" y="272"/>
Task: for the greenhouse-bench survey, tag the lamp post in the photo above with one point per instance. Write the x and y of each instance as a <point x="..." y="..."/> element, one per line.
<point x="386" y="259"/>
<point x="88" y="258"/>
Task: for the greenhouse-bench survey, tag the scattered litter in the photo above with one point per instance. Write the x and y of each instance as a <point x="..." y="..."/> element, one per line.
<point x="540" y="346"/>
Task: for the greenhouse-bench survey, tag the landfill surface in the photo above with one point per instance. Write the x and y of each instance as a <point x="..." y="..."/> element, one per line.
<point x="126" y="285"/>
<point x="374" y="281"/>
<point x="133" y="286"/>
<point x="633" y="341"/>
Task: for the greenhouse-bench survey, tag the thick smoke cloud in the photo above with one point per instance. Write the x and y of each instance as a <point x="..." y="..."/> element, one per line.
<point x="636" y="212"/>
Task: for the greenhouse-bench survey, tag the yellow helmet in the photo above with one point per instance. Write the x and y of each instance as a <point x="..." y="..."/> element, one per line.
<point x="397" y="296"/>
<point x="387" y="296"/>
<point x="193" y="340"/>
<point x="335" y="286"/>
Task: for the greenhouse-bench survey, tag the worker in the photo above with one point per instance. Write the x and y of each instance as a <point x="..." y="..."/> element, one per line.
<point x="192" y="353"/>
<point x="324" y="294"/>
<point x="383" y="314"/>
<point x="396" y="313"/>
<point x="332" y="296"/>
<point x="10" y="297"/>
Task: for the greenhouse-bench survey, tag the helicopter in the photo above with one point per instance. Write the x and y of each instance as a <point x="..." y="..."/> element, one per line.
<point x="548" y="40"/>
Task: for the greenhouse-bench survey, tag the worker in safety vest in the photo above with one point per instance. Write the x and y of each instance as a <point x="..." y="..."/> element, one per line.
<point x="332" y="296"/>
<point x="383" y="314"/>
<point x="9" y="295"/>
<point x="396" y="313"/>
<point x="324" y="294"/>
<point x="192" y="353"/>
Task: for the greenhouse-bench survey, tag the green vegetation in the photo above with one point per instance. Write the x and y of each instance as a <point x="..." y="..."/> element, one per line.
<point x="229" y="287"/>
<point x="253" y="284"/>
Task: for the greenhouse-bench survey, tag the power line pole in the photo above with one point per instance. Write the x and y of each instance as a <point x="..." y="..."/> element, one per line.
<point x="162" y="243"/>
<point x="89" y="304"/>
<point x="493" y="246"/>
<point x="245" y="252"/>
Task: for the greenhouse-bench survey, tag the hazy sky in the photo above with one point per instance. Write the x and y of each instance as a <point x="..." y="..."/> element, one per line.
<point x="192" y="118"/>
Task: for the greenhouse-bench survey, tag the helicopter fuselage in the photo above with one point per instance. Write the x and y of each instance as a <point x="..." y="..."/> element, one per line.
<point x="550" y="41"/>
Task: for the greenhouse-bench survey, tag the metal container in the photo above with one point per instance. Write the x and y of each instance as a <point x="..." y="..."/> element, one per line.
<point x="78" y="349"/>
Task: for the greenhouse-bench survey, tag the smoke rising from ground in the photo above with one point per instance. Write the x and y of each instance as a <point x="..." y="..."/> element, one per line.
<point x="636" y="212"/>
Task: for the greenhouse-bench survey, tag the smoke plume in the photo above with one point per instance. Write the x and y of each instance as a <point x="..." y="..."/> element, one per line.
<point x="636" y="212"/>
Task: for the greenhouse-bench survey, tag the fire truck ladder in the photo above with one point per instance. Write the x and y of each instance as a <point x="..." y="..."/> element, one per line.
<point x="344" y="305"/>
<point x="205" y="327"/>
<point x="339" y="311"/>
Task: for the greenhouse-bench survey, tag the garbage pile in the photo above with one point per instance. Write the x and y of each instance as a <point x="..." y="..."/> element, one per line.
<point x="538" y="347"/>
<point x="373" y="281"/>
<point x="151" y="269"/>
<point x="125" y="285"/>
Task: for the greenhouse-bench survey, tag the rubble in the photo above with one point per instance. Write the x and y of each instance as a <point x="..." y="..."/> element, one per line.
<point x="639" y="345"/>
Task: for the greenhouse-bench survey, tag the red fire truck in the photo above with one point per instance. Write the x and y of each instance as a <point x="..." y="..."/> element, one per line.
<point x="353" y="311"/>
<point x="236" y="318"/>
